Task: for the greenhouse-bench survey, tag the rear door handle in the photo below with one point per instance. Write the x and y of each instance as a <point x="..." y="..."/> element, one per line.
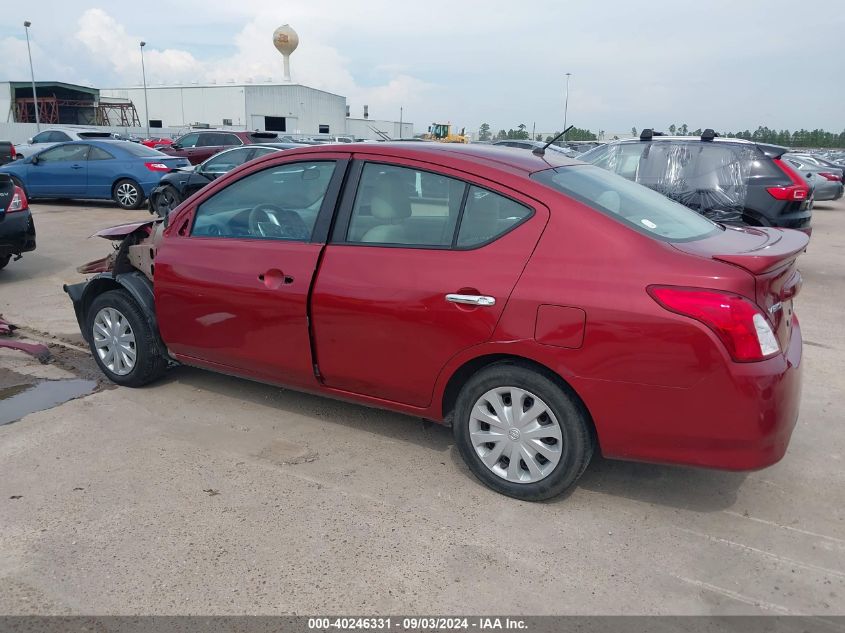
<point x="76" y="166"/>
<point x="473" y="300"/>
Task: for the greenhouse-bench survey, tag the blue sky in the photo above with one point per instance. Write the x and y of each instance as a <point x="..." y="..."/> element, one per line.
<point x="713" y="63"/>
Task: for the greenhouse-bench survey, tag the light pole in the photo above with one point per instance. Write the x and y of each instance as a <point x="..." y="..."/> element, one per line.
<point x="401" y="112"/>
<point x="144" y="76"/>
<point x="26" y="26"/>
<point x="566" y="104"/>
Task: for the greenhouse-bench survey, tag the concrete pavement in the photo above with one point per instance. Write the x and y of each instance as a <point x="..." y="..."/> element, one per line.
<point x="206" y="494"/>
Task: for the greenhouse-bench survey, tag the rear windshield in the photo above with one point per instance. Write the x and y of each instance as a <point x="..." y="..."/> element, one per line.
<point x="136" y="149"/>
<point x="635" y="205"/>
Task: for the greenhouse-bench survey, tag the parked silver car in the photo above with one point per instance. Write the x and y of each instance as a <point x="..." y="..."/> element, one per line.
<point x="48" y="138"/>
<point x="825" y="181"/>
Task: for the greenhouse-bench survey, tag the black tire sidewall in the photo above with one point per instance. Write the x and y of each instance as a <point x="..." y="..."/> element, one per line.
<point x="149" y="363"/>
<point x="140" y="201"/>
<point x="577" y="444"/>
<point x="177" y="199"/>
<point x="4" y="261"/>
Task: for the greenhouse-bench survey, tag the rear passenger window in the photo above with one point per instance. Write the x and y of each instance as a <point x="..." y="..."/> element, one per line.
<point x="488" y="216"/>
<point x="400" y="205"/>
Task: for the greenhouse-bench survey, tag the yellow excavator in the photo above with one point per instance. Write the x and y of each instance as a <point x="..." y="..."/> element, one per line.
<point x="442" y="132"/>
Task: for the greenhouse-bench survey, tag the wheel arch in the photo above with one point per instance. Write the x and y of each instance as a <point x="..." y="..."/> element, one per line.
<point x="134" y="282"/>
<point x="460" y="376"/>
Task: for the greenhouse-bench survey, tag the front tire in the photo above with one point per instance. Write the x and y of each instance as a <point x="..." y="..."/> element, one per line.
<point x="122" y="342"/>
<point x="520" y="433"/>
<point x="128" y="194"/>
<point x="166" y="200"/>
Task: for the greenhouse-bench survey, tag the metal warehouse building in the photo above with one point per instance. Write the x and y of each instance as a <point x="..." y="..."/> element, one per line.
<point x="279" y="107"/>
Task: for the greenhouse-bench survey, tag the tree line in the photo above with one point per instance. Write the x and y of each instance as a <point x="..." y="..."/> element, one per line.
<point x="521" y="133"/>
<point x="763" y="134"/>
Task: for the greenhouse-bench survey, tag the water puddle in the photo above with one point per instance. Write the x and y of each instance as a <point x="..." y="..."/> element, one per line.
<point x="20" y="400"/>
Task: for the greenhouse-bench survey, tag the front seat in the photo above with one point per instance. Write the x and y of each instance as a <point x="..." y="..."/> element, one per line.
<point x="391" y="206"/>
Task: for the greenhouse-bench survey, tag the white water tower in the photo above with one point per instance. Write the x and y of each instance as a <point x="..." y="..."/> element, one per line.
<point x="285" y="40"/>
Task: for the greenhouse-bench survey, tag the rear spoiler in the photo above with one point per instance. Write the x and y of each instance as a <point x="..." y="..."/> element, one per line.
<point x="785" y="246"/>
<point x="773" y="151"/>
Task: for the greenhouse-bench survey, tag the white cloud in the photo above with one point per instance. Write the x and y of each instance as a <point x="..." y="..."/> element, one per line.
<point x="314" y="63"/>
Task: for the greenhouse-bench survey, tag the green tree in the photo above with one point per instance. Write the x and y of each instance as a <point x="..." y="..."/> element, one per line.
<point x="672" y="129"/>
<point x="501" y="135"/>
<point x="484" y="132"/>
<point x="633" y="131"/>
<point x="684" y="130"/>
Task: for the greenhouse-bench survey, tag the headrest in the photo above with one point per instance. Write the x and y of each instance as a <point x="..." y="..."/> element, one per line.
<point x="610" y="200"/>
<point x="390" y="198"/>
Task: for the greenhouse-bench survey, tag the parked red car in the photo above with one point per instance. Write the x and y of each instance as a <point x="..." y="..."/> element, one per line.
<point x="202" y="144"/>
<point x="157" y="142"/>
<point x="542" y="307"/>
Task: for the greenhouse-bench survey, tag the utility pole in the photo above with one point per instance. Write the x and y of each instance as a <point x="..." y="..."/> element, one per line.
<point x="401" y="112"/>
<point x="144" y="77"/>
<point x="26" y="26"/>
<point x="566" y="105"/>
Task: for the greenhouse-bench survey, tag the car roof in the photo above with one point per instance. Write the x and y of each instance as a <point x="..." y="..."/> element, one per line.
<point x="768" y="148"/>
<point x="463" y="155"/>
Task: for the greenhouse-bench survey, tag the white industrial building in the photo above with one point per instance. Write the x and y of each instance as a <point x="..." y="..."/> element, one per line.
<point x="287" y="108"/>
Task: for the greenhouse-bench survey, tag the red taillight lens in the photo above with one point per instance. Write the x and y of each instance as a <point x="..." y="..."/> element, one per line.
<point x="19" y="202"/>
<point x="829" y="176"/>
<point x="739" y="323"/>
<point x="796" y="191"/>
<point x="13" y="153"/>
<point x="157" y="166"/>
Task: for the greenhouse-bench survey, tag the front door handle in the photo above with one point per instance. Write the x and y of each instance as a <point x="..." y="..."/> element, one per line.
<point x="76" y="166"/>
<point x="473" y="300"/>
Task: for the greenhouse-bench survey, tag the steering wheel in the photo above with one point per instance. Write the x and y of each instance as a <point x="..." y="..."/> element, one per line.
<point x="290" y="225"/>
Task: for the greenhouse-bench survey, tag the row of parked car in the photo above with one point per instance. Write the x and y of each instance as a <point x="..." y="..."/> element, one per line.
<point x="728" y="180"/>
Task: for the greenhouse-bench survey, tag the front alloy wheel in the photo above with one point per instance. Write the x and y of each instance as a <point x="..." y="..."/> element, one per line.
<point x="124" y="344"/>
<point x="114" y="341"/>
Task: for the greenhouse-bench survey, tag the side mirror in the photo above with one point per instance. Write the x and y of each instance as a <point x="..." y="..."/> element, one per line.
<point x="175" y="146"/>
<point x="29" y="140"/>
<point x="34" y="160"/>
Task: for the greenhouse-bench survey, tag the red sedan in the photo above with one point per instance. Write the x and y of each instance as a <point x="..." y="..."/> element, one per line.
<point x="542" y="307"/>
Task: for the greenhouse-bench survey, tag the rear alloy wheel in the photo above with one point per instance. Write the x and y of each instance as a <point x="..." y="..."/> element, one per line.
<point x="521" y="433"/>
<point x="166" y="200"/>
<point x="122" y="341"/>
<point x="128" y="194"/>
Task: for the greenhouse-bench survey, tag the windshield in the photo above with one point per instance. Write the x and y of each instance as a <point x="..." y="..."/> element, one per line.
<point x="634" y="205"/>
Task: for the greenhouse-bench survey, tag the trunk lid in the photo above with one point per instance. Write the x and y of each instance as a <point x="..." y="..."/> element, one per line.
<point x="770" y="255"/>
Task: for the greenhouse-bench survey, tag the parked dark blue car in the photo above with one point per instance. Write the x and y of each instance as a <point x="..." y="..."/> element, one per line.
<point x="123" y="171"/>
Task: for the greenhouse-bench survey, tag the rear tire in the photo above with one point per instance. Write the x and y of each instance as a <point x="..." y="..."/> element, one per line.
<point x="545" y="429"/>
<point x="128" y="194"/>
<point x="4" y="261"/>
<point x="122" y="342"/>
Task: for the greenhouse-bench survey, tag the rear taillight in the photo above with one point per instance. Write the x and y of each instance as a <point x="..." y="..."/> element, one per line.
<point x="796" y="191"/>
<point x="828" y="176"/>
<point x="19" y="202"/>
<point x="157" y="166"/>
<point x="739" y="323"/>
<point x="13" y="153"/>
